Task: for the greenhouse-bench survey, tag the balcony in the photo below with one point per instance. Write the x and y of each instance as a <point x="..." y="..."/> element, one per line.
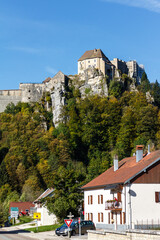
<point x="113" y="205"/>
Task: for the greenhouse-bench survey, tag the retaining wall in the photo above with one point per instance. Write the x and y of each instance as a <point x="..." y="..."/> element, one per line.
<point x="127" y="235"/>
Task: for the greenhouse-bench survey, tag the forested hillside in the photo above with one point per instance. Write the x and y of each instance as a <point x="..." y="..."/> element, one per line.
<point x="34" y="155"/>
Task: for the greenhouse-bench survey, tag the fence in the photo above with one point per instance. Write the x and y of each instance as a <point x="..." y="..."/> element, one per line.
<point x="147" y="224"/>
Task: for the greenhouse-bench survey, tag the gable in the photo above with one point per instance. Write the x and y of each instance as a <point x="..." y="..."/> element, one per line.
<point x="151" y="175"/>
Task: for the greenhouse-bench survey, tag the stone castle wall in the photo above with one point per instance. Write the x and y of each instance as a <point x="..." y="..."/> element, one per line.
<point x="32" y="92"/>
<point x="8" y="96"/>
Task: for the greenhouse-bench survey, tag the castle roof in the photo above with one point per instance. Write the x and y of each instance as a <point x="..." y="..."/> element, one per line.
<point x="128" y="169"/>
<point x="96" y="53"/>
<point x="47" y="80"/>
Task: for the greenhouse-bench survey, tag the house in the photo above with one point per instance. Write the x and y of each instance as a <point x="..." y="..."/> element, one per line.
<point x="127" y="194"/>
<point x="96" y="59"/>
<point x="46" y="218"/>
<point x="24" y="207"/>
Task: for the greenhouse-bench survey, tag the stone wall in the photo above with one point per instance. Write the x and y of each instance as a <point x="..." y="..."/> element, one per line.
<point x="31" y="92"/>
<point x="128" y="235"/>
<point x="8" y="96"/>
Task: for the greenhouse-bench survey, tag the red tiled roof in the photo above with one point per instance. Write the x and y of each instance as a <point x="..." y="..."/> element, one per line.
<point x="96" y="53"/>
<point x="44" y="194"/>
<point x="22" y="206"/>
<point x="128" y="168"/>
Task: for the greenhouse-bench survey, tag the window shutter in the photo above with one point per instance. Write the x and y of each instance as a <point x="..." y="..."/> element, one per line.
<point x="98" y="199"/>
<point x="119" y="196"/>
<point x="101" y="199"/>
<point x="88" y="216"/>
<point x="88" y="199"/>
<point x="101" y="217"/>
<point x="92" y="217"/>
<point x="120" y="217"/>
<point x="98" y="217"/>
<point x="108" y="218"/>
<point x="157" y="197"/>
<point x="91" y="199"/>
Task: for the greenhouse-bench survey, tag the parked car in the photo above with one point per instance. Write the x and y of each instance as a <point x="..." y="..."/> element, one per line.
<point x="74" y="228"/>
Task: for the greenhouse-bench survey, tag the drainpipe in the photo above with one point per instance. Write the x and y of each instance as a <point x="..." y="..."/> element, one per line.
<point x="130" y="210"/>
<point x="125" y="203"/>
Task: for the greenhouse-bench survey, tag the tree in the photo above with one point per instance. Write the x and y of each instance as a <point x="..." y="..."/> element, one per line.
<point x="116" y="88"/>
<point x="145" y="85"/>
<point x="156" y="93"/>
<point x="67" y="195"/>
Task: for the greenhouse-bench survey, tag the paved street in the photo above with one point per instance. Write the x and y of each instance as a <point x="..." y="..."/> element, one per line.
<point x="17" y="233"/>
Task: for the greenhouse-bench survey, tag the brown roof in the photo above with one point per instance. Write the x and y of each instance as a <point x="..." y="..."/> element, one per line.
<point x="128" y="169"/>
<point x="96" y="53"/>
<point x="22" y="206"/>
<point x="44" y="194"/>
<point x="47" y="80"/>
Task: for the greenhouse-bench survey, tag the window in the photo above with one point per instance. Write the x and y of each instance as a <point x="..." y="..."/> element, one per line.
<point x="157" y="197"/>
<point x="100" y="199"/>
<point x="100" y="217"/>
<point x="88" y="61"/>
<point x="90" y="199"/>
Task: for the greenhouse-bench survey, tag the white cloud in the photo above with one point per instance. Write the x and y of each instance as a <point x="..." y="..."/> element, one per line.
<point x="151" y="5"/>
<point x="24" y="49"/>
<point x="51" y="70"/>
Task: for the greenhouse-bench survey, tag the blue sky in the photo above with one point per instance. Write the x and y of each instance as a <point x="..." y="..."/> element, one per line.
<point x="40" y="37"/>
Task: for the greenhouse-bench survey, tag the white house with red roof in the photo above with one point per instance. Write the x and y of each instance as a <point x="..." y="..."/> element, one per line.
<point x="127" y="194"/>
<point x="46" y="217"/>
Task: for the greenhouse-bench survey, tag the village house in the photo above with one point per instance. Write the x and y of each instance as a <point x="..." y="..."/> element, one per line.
<point x="127" y="194"/>
<point x="21" y="208"/>
<point x="46" y="217"/>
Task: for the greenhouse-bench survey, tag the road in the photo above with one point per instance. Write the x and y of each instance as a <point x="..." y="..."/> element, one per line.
<point x="14" y="235"/>
<point x="19" y="234"/>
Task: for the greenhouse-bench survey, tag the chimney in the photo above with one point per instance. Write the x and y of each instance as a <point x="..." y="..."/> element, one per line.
<point x="149" y="149"/>
<point x="115" y="163"/>
<point x="139" y="152"/>
<point x="95" y="50"/>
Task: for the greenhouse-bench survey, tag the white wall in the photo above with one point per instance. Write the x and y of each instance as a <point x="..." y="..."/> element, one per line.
<point x="138" y="201"/>
<point x="96" y="208"/>
<point x="46" y="219"/>
<point x="143" y="205"/>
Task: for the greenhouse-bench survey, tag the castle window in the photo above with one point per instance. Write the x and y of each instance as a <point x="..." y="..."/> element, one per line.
<point x="29" y="98"/>
<point x="29" y="90"/>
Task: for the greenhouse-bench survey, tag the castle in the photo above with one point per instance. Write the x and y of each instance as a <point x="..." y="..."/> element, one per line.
<point x="93" y="65"/>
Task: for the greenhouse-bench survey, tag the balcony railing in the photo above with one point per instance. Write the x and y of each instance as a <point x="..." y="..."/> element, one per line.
<point x="113" y="205"/>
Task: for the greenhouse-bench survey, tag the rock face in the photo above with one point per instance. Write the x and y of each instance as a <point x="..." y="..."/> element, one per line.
<point x="90" y="82"/>
<point x="59" y="83"/>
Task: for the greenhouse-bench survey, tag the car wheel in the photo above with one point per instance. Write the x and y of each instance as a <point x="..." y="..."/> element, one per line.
<point x="73" y="233"/>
